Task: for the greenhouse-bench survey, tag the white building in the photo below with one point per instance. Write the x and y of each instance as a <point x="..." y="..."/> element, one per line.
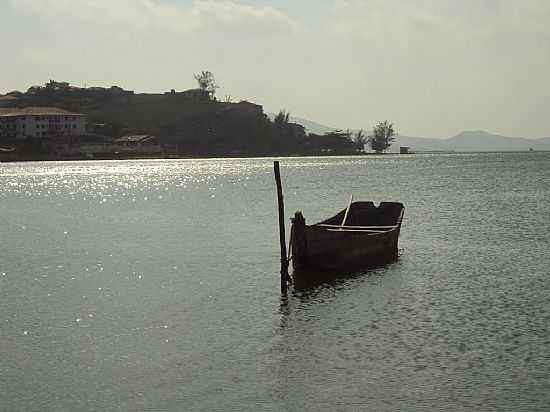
<point x="20" y="123"/>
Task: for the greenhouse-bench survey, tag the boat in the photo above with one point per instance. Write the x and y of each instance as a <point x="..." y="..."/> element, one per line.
<point x="361" y="236"/>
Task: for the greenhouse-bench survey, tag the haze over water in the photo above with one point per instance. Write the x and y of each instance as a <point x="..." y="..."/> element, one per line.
<point x="153" y="285"/>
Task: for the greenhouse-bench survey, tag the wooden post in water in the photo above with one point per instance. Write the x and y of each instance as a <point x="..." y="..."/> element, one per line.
<point x="285" y="277"/>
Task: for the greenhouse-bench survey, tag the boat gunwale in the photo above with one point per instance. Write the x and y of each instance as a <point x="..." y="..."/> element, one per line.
<point x="368" y="232"/>
<point x="324" y="225"/>
<point x="372" y="230"/>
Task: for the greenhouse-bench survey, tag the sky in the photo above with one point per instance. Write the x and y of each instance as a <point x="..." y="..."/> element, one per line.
<point x="432" y="67"/>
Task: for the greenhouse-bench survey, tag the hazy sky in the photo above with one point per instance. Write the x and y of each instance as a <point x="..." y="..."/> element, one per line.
<point x="433" y="67"/>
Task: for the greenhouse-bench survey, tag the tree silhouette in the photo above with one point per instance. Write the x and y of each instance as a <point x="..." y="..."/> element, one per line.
<point x="360" y="139"/>
<point x="282" y="118"/>
<point x="207" y="83"/>
<point x="383" y="137"/>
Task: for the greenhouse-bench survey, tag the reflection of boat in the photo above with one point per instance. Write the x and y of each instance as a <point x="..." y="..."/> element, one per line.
<point x="360" y="236"/>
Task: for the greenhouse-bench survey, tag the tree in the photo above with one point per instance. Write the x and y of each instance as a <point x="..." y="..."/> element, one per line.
<point x="282" y="118"/>
<point x="383" y="137"/>
<point x="335" y="142"/>
<point x="360" y="139"/>
<point x="207" y="83"/>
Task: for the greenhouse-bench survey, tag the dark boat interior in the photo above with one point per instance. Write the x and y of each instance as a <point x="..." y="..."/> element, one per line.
<point x="367" y="214"/>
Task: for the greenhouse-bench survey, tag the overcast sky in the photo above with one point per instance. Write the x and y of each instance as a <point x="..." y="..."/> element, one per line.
<point x="433" y="67"/>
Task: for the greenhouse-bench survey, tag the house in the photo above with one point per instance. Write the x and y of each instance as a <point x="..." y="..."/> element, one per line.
<point x="7" y="100"/>
<point x="24" y="122"/>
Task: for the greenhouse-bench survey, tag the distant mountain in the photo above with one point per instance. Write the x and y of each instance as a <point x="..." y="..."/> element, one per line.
<point x="466" y="141"/>
<point x="472" y="141"/>
<point x="481" y="141"/>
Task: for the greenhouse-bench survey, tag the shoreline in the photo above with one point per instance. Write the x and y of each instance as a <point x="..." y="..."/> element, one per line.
<point x="233" y="156"/>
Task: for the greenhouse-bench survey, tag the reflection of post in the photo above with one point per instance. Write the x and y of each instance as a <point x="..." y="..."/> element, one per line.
<point x="285" y="278"/>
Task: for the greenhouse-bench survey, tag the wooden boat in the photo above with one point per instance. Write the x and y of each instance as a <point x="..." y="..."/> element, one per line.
<point x="360" y="236"/>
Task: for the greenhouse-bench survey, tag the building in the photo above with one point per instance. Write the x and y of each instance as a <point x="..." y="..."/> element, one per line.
<point x="94" y="146"/>
<point x="24" y="122"/>
<point x="137" y="140"/>
<point x="246" y="108"/>
<point x="138" y="144"/>
<point x="7" y="100"/>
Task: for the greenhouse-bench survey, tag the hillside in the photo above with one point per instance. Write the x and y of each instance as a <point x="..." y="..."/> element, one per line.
<point x="188" y="123"/>
<point x="193" y="123"/>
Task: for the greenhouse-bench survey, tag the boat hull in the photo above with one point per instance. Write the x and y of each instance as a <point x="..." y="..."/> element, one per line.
<point x="328" y="247"/>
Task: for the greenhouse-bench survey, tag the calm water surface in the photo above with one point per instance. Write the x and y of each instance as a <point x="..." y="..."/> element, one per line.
<point x="153" y="285"/>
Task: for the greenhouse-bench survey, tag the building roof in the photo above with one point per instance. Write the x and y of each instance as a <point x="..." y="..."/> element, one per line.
<point x="7" y="97"/>
<point x="35" y="111"/>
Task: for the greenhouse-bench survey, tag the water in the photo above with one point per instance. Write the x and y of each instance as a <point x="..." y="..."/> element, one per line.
<point x="153" y="285"/>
